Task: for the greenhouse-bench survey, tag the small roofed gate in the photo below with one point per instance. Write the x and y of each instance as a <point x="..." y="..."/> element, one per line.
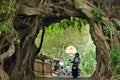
<point x="42" y="68"/>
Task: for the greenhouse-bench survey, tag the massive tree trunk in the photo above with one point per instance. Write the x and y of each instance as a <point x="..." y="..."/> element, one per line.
<point x="33" y="16"/>
<point x="103" y="45"/>
<point x="103" y="70"/>
<point x="25" y="53"/>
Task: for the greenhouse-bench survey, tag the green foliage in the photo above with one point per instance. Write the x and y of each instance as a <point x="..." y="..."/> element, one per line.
<point x="115" y="57"/>
<point x="53" y="28"/>
<point x="88" y="63"/>
<point x="3" y="8"/>
<point x="106" y="30"/>
<point x="7" y="6"/>
<point x="98" y="15"/>
<point x="56" y="28"/>
<point x="64" y="24"/>
<point x="18" y="40"/>
<point x="5" y="26"/>
<point x="7" y="9"/>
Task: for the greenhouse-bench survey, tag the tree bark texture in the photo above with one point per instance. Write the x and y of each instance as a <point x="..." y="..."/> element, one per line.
<point x="103" y="71"/>
<point x="25" y="51"/>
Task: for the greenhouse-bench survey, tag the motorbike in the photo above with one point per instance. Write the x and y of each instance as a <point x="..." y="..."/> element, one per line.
<point x="75" y="66"/>
<point x="75" y="71"/>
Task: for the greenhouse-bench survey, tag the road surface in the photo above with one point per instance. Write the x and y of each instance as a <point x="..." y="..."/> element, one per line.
<point x="63" y="78"/>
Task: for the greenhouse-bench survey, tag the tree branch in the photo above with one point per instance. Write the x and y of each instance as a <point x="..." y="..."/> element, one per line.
<point x="8" y="53"/>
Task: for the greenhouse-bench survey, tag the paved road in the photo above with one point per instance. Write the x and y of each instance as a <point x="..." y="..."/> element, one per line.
<point x="63" y="78"/>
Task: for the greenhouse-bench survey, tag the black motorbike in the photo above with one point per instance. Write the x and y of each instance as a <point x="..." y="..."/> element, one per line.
<point x="75" y="71"/>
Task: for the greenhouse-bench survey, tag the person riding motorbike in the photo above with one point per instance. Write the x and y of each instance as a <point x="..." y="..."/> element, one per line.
<point x="75" y="66"/>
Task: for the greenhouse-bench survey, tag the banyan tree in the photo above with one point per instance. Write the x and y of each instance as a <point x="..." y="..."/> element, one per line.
<point x="17" y="45"/>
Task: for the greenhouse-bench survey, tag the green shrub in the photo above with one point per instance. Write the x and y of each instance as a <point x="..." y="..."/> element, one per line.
<point x="115" y="57"/>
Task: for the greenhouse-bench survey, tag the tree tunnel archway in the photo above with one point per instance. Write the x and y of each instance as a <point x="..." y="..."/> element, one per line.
<point x="75" y="32"/>
<point x="32" y="16"/>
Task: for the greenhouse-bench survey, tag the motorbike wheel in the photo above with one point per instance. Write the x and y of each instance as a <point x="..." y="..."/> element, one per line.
<point x="75" y="73"/>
